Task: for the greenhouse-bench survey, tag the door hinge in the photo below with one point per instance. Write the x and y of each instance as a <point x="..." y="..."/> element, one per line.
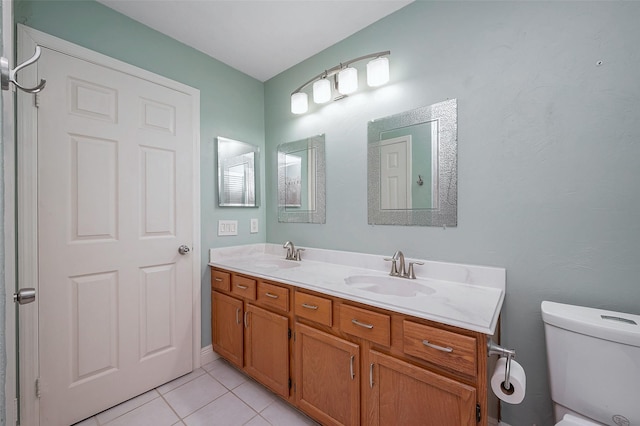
<point x="36" y="100"/>
<point x="290" y="384"/>
<point x="478" y="413"/>
<point x="289" y="333"/>
<point x="38" y="387"/>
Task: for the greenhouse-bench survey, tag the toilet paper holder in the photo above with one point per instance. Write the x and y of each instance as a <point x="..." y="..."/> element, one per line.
<point x="494" y="349"/>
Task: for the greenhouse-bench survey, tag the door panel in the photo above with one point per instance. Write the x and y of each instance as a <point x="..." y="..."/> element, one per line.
<point x="115" y="200"/>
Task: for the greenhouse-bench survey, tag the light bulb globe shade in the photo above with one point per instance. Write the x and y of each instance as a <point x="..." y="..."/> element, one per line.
<point x="322" y="91"/>
<point x="299" y="103"/>
<point x="348" y="80"/>
<point x="378" y="72"/>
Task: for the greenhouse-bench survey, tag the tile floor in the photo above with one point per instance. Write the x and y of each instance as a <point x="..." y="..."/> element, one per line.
<point x="215" y="394"/>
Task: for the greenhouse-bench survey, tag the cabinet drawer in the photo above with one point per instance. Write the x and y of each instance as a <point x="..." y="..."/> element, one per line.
<point x="273" y="295"/>
<point x="315" y="308"/>
<point x="451" y="350"/>
<point x="220" y="280"/>
<point x="366" y="324"/>
<point x="243" y="286"/>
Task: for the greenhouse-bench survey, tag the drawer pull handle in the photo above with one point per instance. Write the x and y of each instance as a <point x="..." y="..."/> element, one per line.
<point x="353" y="375"/>
<point x="371" y="375"/>
<point x="242" y="287"/>
<point x="312" y="307"/>
<point x="440" y="348"/>
<point x="219" y="280"/>
<point x="361" y="324"/>
<point x="238" y="316"/>
<point x="271" y="295"/>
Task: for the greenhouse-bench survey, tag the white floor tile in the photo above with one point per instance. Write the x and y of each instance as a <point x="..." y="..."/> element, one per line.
<point x="125" y="407"/>
<point x="228" y="410"/>
<point x="257" y="421"/>
<point x="154" y="413"/>
<point x="181" y="381"/>
<point x="282" y="414"/>
<point x="194" y="395"/>
<point x="226" y="374"/>
<point x="254" y="395"/>
<point x="91" y="421"/>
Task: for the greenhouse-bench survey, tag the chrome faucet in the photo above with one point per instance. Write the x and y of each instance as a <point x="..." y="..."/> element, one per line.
<point x="399" y="256"/>
<point x="291" y="250"/>
<point x="400" y="270"/>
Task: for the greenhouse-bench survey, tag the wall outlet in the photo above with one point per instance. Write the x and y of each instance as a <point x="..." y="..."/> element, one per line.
<point x="254" y="226"/>
<point x="227" y="227"/>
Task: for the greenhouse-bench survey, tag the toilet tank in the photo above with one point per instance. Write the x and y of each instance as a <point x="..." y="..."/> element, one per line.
<point x="594" y="362"/>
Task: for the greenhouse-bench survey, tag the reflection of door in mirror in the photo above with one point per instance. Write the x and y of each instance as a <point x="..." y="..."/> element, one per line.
<point x="421" y="170"/>
<point x="395" y="173"/>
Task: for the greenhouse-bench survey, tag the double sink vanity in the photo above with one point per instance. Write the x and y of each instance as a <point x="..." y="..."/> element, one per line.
<point x="341" y="339"/>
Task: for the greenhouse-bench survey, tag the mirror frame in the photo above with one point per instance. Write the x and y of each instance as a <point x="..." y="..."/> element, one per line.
<point x="445" y="212"/>
<point x="256" y="172"/>
<point x="318" y="215"/>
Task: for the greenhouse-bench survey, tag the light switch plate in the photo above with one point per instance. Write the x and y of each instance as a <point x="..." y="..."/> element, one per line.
<point x="254" y="226"/>
<point x="227" y="227"/>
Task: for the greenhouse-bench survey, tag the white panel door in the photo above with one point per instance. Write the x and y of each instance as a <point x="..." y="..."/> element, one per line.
<point x="395" y="173"/>
<point x="115" y="200"/>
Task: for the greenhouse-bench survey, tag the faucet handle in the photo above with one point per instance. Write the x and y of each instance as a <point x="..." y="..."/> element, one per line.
<point x="394" y="266"/>
<point x="298" y="256"/>
<point x="411" y="273"/>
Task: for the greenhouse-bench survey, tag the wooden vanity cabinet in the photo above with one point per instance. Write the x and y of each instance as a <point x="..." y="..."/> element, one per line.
<point x="348" y="363"/>
<point x="227" y="327"/>
<point x="327" y="377"/>
<point x="403" y="394"/>
<point x="252" y="337"/>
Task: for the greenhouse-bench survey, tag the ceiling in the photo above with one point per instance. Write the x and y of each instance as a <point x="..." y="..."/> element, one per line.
<point x="261" y="38"/>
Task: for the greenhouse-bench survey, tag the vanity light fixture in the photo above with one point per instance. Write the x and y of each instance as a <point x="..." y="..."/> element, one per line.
<point x="345" y="81"/>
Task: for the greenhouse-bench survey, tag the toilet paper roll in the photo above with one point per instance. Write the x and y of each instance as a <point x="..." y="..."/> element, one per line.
<point x="518" y="382"/>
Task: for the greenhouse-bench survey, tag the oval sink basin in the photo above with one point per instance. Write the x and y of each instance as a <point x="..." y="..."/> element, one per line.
<point x="276" y="264"/>
<point x="392" y="286"/>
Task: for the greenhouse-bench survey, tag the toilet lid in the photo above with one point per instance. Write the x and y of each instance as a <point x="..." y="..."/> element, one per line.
<point x="569" y="420"/>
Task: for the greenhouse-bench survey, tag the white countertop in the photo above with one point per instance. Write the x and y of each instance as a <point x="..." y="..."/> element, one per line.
<point x="466" y="296"/>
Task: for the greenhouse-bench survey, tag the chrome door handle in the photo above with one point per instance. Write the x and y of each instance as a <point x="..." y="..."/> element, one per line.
<point x="436" y="347"/>
<point x="353" y="375"/>
<point x="362" y="324"/>
<point x="24" y="296"/>
<point x="183" y="249"/>
<point x="371" y="375"/>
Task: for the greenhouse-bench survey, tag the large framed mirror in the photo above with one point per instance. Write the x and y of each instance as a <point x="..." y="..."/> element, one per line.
<point x="412" y="167"/>
<point x="301" y="181"/>
<point x="237" y="173"/>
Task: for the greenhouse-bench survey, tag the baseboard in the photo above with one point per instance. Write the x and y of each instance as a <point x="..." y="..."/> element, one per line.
<point x="207" y="355"/>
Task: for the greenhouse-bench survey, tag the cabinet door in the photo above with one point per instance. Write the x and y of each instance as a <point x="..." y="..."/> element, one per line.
<point x="403" y="394"/>
<point x="267" y="348"/>
<point x="226" y="327"/>
<point x="327" y="377"/>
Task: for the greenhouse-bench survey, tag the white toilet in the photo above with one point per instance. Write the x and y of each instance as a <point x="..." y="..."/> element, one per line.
<point x="594" y="365"/>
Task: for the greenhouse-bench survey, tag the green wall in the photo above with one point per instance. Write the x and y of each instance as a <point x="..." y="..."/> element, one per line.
<point x="231" y="103"/>
<point x="548" y="154"/>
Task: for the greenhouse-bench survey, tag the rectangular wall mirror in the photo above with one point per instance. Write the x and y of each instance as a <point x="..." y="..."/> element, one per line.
<point x="237" y="173"/>
<point x="412" y="167"/>
<point x="301" y="181"/>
